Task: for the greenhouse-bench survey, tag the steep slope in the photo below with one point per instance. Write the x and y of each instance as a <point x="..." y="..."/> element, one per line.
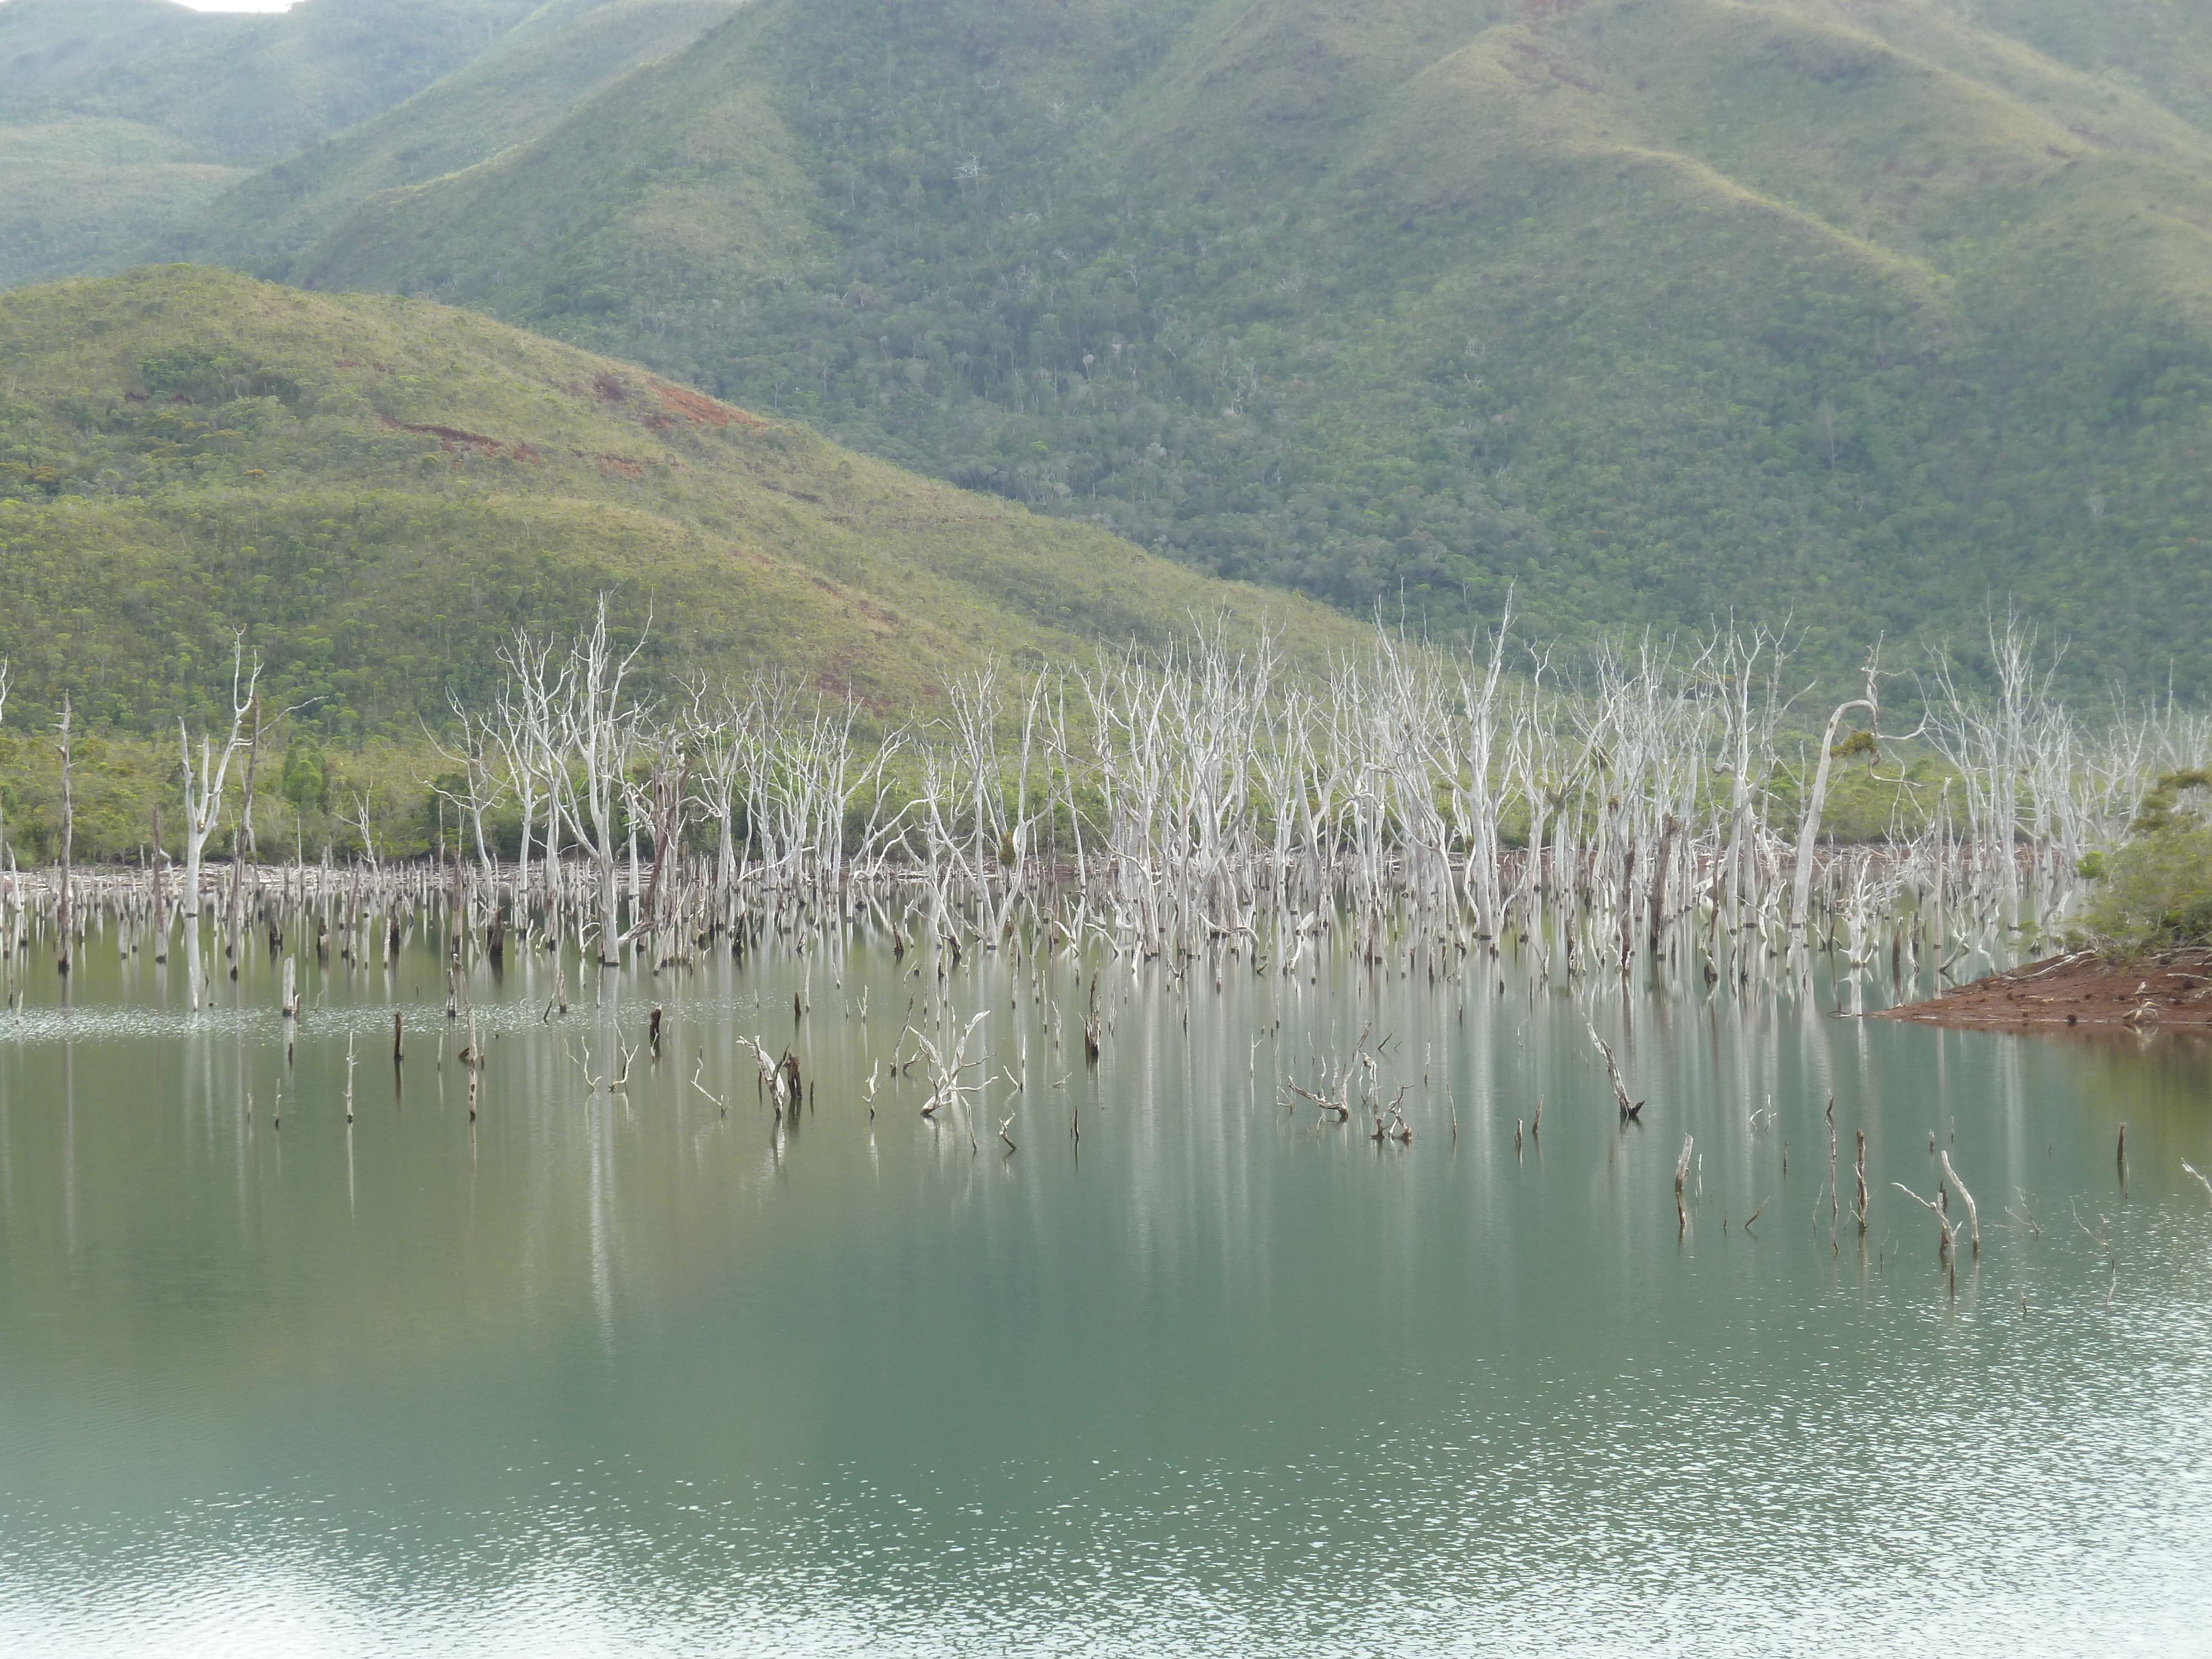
<point x="120" y="118"/>
<point x="377" y="492"/>
<point x="1858" y="313"/>
<point x="509" y="95"/>
<point x="671" y="189"/>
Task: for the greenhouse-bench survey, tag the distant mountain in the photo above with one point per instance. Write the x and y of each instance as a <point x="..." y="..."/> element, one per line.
<point x="1870" y="314"/>
<point x="378" y="491"/>
<point x="119" y="117"/>
<point x="81" y="193"/>
<point x="240" y="85"/>
<point x="514" y="91"/>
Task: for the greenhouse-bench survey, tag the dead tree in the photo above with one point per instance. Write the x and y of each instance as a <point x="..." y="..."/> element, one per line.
<point x="1631" y="1111"/>
<point x="6" y="678"/>
<point x="600" y="734"/>
<point x="204" y="786"/>
<point x="68" y="834"/>
<point x="530" y="712"/>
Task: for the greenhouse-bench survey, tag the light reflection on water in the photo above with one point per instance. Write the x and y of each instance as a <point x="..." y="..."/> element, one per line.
<point x="618" y="1373"/>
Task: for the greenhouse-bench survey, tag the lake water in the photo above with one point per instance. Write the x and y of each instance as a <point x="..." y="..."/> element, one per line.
<point x="616" y="1373"/>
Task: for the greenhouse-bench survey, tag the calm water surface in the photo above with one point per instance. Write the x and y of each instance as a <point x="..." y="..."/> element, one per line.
<point x="616" y="1373"/>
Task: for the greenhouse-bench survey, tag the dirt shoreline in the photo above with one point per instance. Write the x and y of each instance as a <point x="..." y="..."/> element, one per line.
<point x="2170" y="991"/>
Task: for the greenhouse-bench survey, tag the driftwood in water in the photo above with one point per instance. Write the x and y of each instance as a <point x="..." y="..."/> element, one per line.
<point x="1631" y="1111"/>
<point x="1861" y="1211"/>
<point x="1973" y="1215"/>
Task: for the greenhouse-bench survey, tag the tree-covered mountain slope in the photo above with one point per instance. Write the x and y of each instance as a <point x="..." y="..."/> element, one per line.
<point x="1867" y="314"/>
<point x="379" y="491"/>
<point x="119" y="118"/>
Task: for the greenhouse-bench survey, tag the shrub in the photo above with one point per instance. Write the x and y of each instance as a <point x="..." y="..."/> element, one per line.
<point x="2156" y="890"/>
<point x="306" y="781"/>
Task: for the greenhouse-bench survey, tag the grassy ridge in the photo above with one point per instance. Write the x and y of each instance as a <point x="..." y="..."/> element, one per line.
<point x="1867" y="315"/>
<point x="377" y="492"/>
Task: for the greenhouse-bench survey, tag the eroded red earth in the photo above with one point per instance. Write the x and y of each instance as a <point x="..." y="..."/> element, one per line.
<point x="2174" y="989"/>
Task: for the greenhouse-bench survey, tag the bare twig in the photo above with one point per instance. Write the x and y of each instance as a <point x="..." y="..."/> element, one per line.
<point x="2201" y="1180"/>
<point x="1973" y="1215"/>
<point x="1629" y="1111"/>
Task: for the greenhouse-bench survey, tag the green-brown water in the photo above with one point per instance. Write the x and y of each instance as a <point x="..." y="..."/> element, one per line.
<point x="615" y="1373"/>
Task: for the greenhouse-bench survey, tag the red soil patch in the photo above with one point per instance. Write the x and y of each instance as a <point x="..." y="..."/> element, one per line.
<point x="833" y="682"/>
<point x="451" y="435"/>
<point x="451" y="438"/>
<point x="2082" y="989"/>
<point x="696" y="407"/>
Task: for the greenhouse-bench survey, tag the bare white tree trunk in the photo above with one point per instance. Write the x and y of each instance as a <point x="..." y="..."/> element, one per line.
<point x="600" y="734"/>
<point x="1808" y="828"/>
<point x="204" y="787"/>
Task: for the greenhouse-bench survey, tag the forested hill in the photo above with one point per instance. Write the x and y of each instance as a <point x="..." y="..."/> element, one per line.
<point x="1871" y="314"/>
<point x="378" y="491"/>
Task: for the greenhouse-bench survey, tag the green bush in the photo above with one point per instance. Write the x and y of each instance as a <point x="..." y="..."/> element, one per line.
<point x="2156" y="890"/>
<point x="306" y="781"/>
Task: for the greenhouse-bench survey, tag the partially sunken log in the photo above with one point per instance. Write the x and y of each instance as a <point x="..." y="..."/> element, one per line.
<point x="1631" y="1111"/>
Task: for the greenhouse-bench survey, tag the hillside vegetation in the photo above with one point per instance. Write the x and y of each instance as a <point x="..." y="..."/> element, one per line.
<point x="1871" y="315"/>
<point x="376" y="492"/>
<point x="121" y="118"/>
<point x="2155" y="891"/>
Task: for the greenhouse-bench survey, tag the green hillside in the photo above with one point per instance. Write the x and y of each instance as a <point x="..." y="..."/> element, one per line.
<point x="1867" y="315"/>
<point x="378" y="491"/>
<point x="119" y="118"/>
